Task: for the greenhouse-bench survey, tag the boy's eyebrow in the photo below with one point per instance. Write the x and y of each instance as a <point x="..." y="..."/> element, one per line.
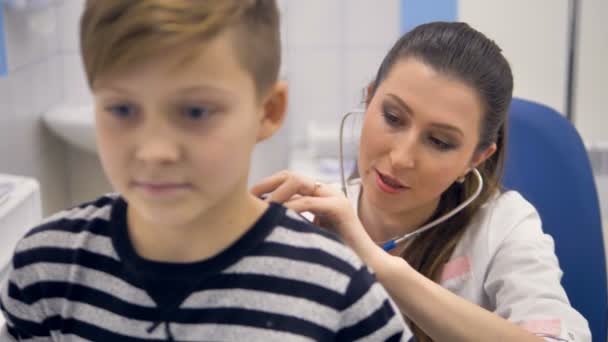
<point x="185" y="90"/>
<point x="204" y="88"/>
<point x="109" y="87"/>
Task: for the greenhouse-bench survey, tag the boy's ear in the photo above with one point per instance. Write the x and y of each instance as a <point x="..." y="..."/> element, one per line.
<point x="274" y="109"/>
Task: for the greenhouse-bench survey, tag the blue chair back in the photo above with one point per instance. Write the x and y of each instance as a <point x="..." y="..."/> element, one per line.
<point x="548" y="164"/>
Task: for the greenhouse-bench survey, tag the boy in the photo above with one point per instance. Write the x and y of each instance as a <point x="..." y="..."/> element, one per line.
<point x="183" y="91"/>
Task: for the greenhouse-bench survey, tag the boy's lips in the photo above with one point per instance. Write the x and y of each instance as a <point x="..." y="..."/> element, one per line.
<point x="155" y="187"/>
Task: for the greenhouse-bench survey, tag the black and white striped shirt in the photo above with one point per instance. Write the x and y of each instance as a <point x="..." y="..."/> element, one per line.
<point x="77" y="277"/>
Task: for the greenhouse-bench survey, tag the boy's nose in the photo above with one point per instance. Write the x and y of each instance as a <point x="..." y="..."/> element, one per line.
<point x="158" y="150"/>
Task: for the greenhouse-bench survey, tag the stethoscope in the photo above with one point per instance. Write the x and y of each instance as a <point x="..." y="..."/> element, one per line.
<point x="392" y="243"/>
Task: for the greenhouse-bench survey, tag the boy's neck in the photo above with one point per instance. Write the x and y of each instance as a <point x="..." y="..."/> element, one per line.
<point x="213" y="231"/>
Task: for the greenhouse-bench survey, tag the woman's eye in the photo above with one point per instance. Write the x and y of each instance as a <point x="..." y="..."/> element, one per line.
<point x="121" y="111"/>
<point x="196" y="112"/>
<point x="391" y="119"/>
<point x="440" y="144"/>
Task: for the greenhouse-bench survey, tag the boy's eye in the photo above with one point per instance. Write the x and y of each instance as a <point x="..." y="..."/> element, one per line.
<point x="195" y="112"/>
<point x="122" y="110"/>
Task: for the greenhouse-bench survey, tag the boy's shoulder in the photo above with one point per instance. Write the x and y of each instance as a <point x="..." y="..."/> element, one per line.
<point x="316" y="243"/>
<point x="72" y="227"/>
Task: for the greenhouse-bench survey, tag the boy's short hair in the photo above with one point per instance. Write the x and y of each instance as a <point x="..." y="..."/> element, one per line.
<point x="115" y="35"/>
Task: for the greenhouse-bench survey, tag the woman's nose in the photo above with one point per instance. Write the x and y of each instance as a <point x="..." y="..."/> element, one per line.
<point x="403" y="152"/>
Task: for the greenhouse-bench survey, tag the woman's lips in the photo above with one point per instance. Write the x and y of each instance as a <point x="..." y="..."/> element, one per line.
<point x="389" y="184"/>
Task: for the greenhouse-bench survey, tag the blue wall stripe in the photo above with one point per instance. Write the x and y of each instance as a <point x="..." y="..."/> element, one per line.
<point x="3" y="66"/>
<point x="416" y="12"/>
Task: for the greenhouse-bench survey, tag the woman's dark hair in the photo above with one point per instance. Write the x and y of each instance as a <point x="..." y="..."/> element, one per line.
<point x="460" y="52"/>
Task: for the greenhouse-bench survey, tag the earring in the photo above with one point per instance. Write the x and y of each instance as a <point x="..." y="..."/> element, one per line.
<point x="462" y="178"/>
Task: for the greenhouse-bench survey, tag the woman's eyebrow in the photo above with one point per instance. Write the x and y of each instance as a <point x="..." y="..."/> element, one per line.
<point x="401" y="103"/>
<point x="449" y="127"/>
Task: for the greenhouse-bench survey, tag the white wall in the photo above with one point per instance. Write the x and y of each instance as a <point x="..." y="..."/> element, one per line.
<point x="533" y="36"/>
<point x="590" y="113"/>
<point x="75" y="88"/>
<point x="46" y="70"/>
<point x="33" y="85"/>
<point x="84" y="173"/>
<point x="333" y="51"/>
<point x="590" y="106"/>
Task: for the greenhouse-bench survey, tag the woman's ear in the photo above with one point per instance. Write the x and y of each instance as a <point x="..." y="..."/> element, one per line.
<point x="369" y="93"/>
<point x="274" y="108"/>
<point x="482" y="156"/>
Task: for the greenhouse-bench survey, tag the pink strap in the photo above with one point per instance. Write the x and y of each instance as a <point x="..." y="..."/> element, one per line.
<point x="455" y="268"/>
<point x="552" y="327"/>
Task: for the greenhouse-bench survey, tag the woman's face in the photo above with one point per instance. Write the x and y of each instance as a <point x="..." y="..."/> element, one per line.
<point x="420" y="134"/>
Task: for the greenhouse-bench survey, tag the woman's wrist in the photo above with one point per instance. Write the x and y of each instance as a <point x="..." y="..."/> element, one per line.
<point x="390" y="267"/>
<point x="383" y="263"/>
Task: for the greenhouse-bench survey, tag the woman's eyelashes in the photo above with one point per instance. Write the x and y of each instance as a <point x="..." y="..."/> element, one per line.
<point x="441" y="144"/>
<point x="391" y="117"/>
<point x="394" y="119"/>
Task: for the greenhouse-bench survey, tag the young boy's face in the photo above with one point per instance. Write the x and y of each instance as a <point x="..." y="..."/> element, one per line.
<point x="176" y="141"/>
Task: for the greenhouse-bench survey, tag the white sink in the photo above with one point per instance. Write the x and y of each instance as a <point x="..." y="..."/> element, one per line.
<point x="74" y="124"/>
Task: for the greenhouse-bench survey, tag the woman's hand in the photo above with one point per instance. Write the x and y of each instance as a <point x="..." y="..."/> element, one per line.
<point x="331" y="208"/>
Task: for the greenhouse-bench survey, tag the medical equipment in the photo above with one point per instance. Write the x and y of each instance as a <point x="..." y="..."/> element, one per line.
<point x="392" y="243"/>
<point x="341" y="152"/>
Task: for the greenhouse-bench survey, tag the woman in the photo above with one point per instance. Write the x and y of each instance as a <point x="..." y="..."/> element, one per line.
<point x="436" y="113"/>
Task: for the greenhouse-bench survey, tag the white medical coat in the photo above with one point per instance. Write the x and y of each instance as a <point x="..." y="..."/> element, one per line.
<point x="507" y="265"/>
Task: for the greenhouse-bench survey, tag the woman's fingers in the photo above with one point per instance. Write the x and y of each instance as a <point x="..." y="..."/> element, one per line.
<point x="269" y="184"/>
<point x="319" y="206"/>
<point x="283" y="186"/>
<point x="333" y="210"/>
<point x="294" y="186"/>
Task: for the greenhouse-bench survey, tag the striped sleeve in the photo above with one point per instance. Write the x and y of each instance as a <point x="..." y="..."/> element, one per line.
<point x="372" y="315"/>
<point x="24" y="322"/>
<point x="5" y="335"/>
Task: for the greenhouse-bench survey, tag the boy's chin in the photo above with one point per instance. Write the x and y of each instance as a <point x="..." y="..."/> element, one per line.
<point x="175" y="212"/>
<point x="169" y="217"/>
